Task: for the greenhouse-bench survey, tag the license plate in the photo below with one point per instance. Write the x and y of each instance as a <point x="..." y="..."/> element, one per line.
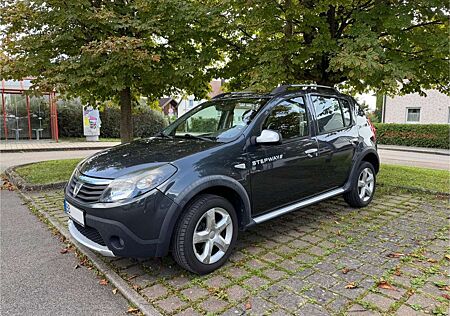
<point x="74" y="213"/>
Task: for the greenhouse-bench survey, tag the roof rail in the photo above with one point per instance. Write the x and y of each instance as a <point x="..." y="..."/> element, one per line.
<point x="289" y="87"/>
<point x="239" y="93"/>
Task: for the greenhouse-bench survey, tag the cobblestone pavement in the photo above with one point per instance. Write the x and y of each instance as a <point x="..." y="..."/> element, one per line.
<point x="391" y="258"/>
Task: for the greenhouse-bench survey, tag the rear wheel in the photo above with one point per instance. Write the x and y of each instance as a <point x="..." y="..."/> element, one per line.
<point x="363" y="186"/>
<point x="205" y="234"/>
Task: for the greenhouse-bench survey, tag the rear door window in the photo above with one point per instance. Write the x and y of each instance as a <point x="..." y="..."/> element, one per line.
<point x="329" y="113"/>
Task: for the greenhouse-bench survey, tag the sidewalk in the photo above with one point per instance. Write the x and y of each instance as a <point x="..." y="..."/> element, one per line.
<point x="36" y="279"/>
<point x="50" y="145"/>
<point x="434" y="151"/>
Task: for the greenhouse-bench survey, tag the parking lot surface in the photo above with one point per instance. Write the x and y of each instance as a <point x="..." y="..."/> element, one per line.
<point x="390" y="258"/>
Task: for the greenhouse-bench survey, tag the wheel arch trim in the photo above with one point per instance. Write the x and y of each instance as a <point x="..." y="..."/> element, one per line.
<point x="184" y="197"/>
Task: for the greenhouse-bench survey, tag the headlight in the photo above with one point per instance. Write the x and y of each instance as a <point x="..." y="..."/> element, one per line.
<point x="137" y="183"/>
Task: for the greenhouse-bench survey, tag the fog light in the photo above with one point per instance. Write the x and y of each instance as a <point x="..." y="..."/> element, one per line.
<point x="117" y="242"/>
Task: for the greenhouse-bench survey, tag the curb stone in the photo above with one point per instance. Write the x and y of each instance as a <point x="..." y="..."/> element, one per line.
<point x="22" y="184"/>
<point x="22" y="150"/>
<point x="145" y="307"/>
<point x="422" y="150"/>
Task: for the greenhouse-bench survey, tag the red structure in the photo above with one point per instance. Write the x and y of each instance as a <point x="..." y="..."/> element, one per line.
<point x="25" y="116"/>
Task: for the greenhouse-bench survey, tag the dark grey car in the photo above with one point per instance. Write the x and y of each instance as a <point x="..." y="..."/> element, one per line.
<point x="228" y="164"/>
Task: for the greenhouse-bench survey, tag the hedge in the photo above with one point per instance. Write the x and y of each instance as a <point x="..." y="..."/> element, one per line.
<point x="146" y="122"/>
<point x="420" y="135"/>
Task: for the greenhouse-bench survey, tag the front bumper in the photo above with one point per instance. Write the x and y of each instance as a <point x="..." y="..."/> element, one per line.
<point x="134" y="229"/>
<point x="85" y="241"/>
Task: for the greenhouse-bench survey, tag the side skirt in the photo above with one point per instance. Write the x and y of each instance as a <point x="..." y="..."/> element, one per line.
<point x="295" y="206"/>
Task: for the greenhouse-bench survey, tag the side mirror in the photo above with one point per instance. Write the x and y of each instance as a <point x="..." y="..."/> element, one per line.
<point x="268" y="137"/>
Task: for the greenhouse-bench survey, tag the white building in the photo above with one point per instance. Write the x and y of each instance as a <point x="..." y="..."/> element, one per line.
<point x="187" y="103"/>
<point x="415" y="109"/>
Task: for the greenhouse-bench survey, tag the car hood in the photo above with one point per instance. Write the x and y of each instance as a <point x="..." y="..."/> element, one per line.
<point x="140" y="155"/>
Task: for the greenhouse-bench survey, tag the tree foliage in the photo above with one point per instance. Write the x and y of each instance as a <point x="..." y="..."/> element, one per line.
<point x="100" y="50"/>
<point x="366" y="44"/>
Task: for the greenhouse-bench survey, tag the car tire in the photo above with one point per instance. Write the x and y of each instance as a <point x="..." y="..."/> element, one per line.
<point x="363" y="186"/>
<point x="205" y="234"/>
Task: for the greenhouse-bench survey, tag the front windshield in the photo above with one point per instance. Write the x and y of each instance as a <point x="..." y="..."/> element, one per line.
<point x="220" y="120"/>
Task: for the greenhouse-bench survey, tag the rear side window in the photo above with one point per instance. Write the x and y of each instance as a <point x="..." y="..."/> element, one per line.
<point x="332" y="114"/>
<point x="289" y="118"/>
<point x="346" y="111"/>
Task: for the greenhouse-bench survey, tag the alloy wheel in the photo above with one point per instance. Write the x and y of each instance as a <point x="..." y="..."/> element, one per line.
<point x="213" y="234"/>
<point x="366" y="182"/>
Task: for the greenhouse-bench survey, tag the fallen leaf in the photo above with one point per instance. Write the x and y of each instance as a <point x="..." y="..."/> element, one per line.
<point x="385" y="285"/>
<point x="248" y="305"/>
<point x="103" y="282"/>
<point x="64" y="250"/>
<point x="338" y="233"/>
<point x="132" y="310"/>
<point x="445" y="288"/>
<point x="76" y="267"/>
<point x="351" y="285"/>
<point x="432" y="260"/>
<point x="346" y="270"/>
<point x="397" y="271"/>
<point x="395" y="255"/>
<point x="114" y="291"/>
<point x="447" y="257"/>
<point x="445" y="295"/>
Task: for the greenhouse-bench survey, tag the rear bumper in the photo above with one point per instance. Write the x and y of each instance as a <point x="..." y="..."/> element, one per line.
<point x="88" y="242"/>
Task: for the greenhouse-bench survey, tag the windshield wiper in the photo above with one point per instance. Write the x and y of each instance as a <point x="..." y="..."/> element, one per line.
<point x="206" y="138"/>
<point x="161" y="134"/>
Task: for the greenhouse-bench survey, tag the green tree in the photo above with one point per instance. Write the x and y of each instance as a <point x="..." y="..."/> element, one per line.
<point x="365" y="44"/>
<point x="108" y="50"/>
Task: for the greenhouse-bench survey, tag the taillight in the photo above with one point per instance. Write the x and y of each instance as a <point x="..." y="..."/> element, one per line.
<point x="373" y="129"/>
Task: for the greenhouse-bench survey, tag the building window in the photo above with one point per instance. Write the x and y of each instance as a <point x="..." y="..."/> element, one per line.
<point x="191" y="103"/>
<point x="413" y="115"/>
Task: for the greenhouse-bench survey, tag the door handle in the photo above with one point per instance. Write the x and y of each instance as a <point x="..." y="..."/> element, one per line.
<point x="311" y="152"/>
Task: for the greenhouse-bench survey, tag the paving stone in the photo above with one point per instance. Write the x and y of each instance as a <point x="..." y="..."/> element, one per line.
<point x="311" y="310"/>
<point x="289" y="265"/>
<point x="405" y="310"/>
<point x="194" y="293"/>
<point x="217" y="281"/>
<point x="271" y="257"/>
<point x="259" y="306"/>
<point x="255" y="264"/>
<point x="320" y="295"/>
<point x="317" y="251"/>
<point x="359" y="310"/>
<point x="421" y="300"/>
<point x="144" y="280"/>
<point x="171" y="304"/>
<point x="338" y="304"/>
<point x="255" y="282"/>
<point x="295" y="283"/>
<point x="213" y="305"/>
<point x="179" y="281"/>
<point x="299" y="244"/>
<point x="236" y="272"/>
<point x="323" y="280"/>
<point x="381" y="302"/>
<point x="189" y="312"/>
<point x="236" y="293"/>
<point x="155" y="291"/>
<point x="397" y="293"/>
<point x="274" y="274"/>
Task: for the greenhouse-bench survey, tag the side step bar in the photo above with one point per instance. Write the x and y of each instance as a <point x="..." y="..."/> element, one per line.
<point x="293" y="207"/>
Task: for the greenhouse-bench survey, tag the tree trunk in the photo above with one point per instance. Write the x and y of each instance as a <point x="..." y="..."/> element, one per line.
<point x="126" y="120"/>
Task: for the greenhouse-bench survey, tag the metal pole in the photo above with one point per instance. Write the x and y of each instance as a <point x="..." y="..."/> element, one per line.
<point x="56" y="117"/>
<point x="4" y="110"/>
<point x="29" y="116"/>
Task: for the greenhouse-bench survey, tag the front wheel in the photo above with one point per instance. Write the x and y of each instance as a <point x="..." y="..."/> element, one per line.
<point x="205" y="234"/>
<point x="363" y="186"/>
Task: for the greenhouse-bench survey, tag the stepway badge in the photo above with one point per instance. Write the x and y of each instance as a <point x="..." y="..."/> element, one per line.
<point x="267" y="159"/>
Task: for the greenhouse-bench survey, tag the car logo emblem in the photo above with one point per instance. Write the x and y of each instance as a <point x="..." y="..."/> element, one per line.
<point x="77" y="188"/>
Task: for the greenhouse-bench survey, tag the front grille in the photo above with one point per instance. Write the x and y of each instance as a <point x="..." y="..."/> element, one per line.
<point x="88" y="193"/>
<point x="90" y="233"/>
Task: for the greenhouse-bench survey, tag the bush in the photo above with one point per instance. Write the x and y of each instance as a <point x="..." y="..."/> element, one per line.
<point x="420" y="135"/>
<point x="146" y="122"/>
